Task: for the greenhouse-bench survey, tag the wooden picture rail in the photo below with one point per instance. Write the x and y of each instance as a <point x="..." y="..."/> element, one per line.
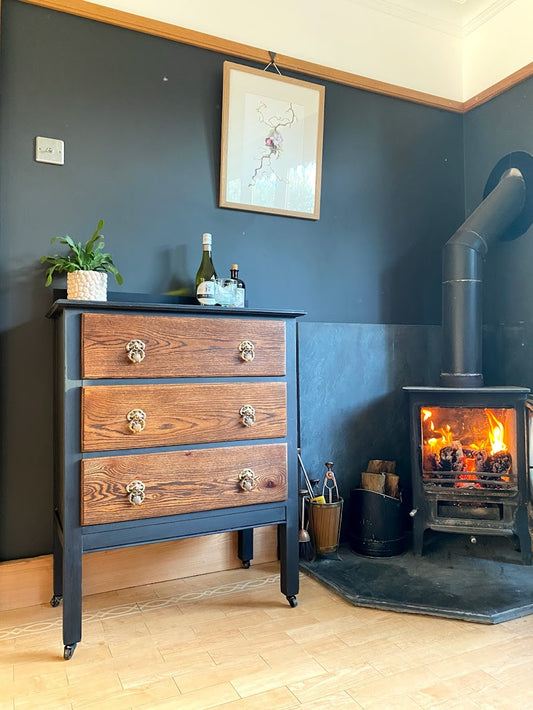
<point x="93" y="11"/>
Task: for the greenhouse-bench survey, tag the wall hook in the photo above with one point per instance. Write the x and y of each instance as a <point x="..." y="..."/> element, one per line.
<point x="272" y="62"/>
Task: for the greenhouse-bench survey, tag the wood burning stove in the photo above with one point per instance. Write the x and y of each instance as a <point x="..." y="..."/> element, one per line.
<point x="468" y="442"/>
<point x="469" y="463"/>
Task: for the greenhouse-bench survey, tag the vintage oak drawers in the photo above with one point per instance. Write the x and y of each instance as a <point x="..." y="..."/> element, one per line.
<point x="160" y="414"/>
<point x="171" y="421"/>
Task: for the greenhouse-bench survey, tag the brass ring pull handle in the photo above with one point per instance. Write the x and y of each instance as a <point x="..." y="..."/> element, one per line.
<point x="136" y="351"/>
<point x="136" y="492"/>
<point x="137" y="420"/>
<point x="247" y="350"/>
<point x="247" y="479"/>
<point x="247" y="413"/>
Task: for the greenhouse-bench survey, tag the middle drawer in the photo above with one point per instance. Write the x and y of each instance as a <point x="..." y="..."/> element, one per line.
<point x="138" y="416"/>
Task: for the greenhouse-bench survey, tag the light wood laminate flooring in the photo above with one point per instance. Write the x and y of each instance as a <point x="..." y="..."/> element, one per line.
<point x="230" y="640"/>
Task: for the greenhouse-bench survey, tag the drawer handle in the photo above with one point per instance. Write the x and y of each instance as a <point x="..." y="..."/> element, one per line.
<point x="137" y="420"/>
<point x="136" y="492"/>
<point x="247" y="350"/>
<point x="136" y="351"/>
<point x="247" y="413"/>
<point x="247" y="479"/>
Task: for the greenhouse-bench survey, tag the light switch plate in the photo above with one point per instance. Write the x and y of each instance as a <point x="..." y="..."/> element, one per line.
<point x="49" y="150"/>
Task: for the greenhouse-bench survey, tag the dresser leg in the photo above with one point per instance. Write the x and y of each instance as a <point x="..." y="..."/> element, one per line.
<point x="57" y="566"/>
<point x="72" y="554"/>
<point x="245" y="546"/>
<point x="289" y="562"/>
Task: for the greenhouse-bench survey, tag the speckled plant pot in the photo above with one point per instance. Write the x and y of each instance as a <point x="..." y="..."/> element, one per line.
<point x="87" y="285"/>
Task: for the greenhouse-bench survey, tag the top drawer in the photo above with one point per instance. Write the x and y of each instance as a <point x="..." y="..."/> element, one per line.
<point x="180" y="346"/>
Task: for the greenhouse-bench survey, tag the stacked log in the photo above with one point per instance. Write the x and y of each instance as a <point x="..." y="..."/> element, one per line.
<point x="380" y="477"/>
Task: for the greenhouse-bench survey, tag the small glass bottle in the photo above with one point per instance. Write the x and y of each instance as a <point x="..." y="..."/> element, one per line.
<point x="240" y="301"/>
<point x="206" y="274"/>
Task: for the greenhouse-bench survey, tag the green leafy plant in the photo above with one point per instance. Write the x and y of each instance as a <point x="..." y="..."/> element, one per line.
<point x="83" y="257"/>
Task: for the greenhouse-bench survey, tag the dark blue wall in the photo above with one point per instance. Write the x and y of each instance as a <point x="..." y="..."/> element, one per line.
<point x="140" y="117"/>
<point x="492" y="131"/>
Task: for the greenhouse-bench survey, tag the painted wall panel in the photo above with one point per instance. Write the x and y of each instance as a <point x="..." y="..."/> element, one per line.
<point x="140" y="117"/>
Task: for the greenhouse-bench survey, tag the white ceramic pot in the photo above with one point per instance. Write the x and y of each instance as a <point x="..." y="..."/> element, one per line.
<point x="87" y="285"/>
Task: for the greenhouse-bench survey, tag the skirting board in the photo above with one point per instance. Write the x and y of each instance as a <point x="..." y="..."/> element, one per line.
<point x="29" y="582"/>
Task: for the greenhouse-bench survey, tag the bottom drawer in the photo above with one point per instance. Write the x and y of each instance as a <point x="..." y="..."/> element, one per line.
<point x="181" y="482"/>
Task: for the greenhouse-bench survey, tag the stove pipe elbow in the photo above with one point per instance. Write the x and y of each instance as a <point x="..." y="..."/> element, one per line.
<point x="462" y="285"/>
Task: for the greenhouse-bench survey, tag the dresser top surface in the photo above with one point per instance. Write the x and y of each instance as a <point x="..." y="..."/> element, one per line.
<point x="140" y="303"/>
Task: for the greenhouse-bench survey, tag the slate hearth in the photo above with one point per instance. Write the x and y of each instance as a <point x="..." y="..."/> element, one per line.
<point x="484" y="583"/>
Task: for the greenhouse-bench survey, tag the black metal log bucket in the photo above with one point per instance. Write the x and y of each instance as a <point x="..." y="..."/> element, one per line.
<point x="376" y="525"/>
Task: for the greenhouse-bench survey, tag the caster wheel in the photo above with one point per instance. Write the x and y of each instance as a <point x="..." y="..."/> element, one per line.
<point x="68" y="651"/>
<point x="246" y="564"/>
<point x="292" y="601"/>
<point x="56" y="600"/>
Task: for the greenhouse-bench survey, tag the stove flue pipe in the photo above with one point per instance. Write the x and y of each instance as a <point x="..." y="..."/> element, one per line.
<point x="462" y="283"/>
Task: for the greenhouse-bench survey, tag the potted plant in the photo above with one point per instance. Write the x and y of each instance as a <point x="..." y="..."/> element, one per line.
<point x="86" y="266"/>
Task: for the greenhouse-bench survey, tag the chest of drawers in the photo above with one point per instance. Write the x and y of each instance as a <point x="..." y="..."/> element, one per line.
<point x="172" y="421"/>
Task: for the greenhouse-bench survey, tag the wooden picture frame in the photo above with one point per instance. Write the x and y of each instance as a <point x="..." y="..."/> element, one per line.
<point x="271" y="147"/>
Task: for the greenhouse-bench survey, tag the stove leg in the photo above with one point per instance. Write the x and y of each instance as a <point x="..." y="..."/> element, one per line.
<point x="418" y="538"/>
<point x="522" y="532"/>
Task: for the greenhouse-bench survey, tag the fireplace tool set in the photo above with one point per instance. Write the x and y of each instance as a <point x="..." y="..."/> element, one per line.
<point x="320" y="528"/>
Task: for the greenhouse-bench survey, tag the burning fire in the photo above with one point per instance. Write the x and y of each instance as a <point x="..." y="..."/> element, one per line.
<point x="444" y="436"/>
<point x="477" y="451"/>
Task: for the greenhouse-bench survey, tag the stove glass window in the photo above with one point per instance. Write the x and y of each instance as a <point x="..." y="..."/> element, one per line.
<point x="468" y="447"/>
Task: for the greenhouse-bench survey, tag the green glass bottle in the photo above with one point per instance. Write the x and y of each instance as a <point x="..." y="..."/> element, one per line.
<point x="206" y="274"/>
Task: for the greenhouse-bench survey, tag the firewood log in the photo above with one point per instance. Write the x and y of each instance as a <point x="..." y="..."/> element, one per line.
<point x="379" y="466"/>
<point x="373" y="481"/>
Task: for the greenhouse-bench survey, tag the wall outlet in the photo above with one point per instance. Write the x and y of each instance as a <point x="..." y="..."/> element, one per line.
<point x="49" y="150"/>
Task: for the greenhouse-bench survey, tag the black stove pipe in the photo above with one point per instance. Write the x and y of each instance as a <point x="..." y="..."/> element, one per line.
<point x="462" y="279"/>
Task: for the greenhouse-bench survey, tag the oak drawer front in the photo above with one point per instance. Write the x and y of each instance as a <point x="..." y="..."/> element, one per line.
<point x="181" y="482"/>
<point x="178" y="414"/>
<point x="179" y="347"/>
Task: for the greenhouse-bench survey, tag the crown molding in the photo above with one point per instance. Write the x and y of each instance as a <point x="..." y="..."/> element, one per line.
<point x="412" y="12"/>
<point x="451" y="17"/>
<point x="485" y="15"/>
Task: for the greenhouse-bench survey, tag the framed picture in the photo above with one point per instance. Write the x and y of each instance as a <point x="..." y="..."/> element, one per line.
<point x="271" y="153"/>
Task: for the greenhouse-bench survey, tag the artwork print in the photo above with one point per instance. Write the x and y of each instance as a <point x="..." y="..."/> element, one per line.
<point x="271" y="154"/>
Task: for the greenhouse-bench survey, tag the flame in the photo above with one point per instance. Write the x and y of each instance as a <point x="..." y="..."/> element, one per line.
<point x="496" y="433"/>
<point x="439" y="437"/>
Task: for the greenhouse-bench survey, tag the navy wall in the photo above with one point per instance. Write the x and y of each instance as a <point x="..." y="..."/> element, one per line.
<point x="140" y="117"/>
<point x="492" y="131"/>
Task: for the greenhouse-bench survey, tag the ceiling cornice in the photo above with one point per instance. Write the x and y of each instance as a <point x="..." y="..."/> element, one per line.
<point x="448" y="16"/>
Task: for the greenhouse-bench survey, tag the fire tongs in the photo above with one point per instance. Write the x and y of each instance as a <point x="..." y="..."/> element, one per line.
<point x="330" y="484"/>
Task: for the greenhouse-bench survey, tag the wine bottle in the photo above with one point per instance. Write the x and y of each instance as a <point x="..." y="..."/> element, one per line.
<point x="240" y="300"/>
<point x="206" y="274"/>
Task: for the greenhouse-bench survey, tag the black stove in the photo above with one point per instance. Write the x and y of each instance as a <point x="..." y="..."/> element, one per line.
<point x="470" y="471"/>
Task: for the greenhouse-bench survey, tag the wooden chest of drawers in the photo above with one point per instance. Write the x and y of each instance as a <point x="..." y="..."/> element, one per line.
<point x="171" y="421"/>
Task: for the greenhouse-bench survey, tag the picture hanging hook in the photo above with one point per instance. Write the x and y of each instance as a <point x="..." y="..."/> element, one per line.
<point x="272" y="62"/>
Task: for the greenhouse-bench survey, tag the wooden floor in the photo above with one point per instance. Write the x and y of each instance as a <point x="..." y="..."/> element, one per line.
<point x="230" y="640"/>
